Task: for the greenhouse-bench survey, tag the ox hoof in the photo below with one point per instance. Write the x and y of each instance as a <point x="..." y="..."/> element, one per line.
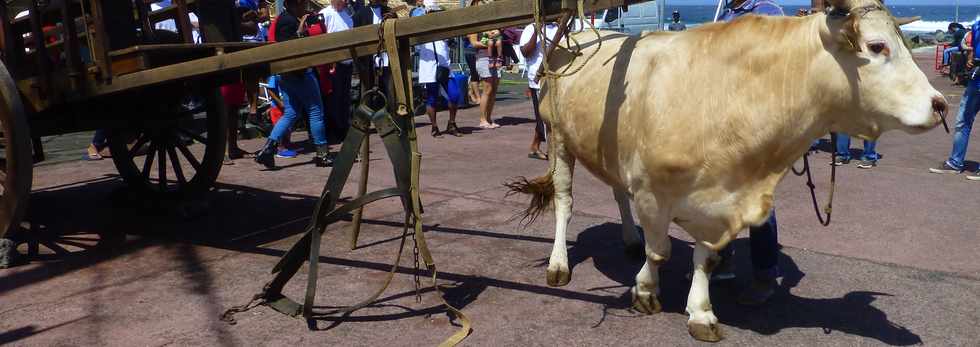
<point x="645" y="302"/>
<point x="8" y="253"/>
<point x="708" y="332"/>
<point x="558" y="276"/>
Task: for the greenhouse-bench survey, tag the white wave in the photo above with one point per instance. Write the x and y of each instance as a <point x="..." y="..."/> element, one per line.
<point x="929" y="26"/>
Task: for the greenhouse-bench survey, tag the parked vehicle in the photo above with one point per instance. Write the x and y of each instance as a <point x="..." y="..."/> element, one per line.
<point x="647" y="16"/>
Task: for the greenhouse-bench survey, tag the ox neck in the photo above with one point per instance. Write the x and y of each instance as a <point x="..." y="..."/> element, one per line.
<point x="809" y="96"/>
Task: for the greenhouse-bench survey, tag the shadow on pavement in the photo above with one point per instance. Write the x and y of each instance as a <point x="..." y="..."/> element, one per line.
<point x="851" y="314"/>
<point x="273" y="216"/>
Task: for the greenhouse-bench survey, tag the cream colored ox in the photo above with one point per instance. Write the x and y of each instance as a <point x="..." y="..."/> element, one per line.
<point x="698" y="127"/>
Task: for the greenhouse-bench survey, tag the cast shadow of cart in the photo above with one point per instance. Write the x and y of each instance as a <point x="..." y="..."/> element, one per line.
<point x="851" y="314"/>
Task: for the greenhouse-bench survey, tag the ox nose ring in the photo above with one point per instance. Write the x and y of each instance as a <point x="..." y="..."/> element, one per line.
<point x="940" y="107"/>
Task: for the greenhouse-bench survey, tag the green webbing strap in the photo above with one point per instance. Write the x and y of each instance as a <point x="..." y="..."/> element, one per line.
<point x="399" y="137"/>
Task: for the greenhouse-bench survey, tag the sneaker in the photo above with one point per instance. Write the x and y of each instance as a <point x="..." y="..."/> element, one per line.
<point x="286" y="153"/>
<point x="974" y="176"/>
<point x="867" y="164"/>
<point x="945" y="169"/>
<point x="838" y="161"/>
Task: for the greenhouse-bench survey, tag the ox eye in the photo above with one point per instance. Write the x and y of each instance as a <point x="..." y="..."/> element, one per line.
<point x="878" y="47"/>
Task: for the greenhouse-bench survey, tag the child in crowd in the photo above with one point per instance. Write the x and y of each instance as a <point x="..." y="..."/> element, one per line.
<point x="494" y="42"/>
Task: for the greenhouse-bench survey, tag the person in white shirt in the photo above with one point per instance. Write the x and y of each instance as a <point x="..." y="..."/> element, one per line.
<point x="434" y="74"/>
<point x="533" y="47"/>
<point x="337" y="18"/>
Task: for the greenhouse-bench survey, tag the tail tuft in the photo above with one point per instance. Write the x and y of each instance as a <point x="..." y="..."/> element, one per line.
<point x="541" y="190"/>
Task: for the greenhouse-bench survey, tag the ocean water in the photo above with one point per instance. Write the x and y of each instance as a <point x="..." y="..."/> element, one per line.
<point x="933" y="17"/>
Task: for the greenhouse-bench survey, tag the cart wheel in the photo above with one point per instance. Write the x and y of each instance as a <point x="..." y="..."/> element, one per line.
<point x="16" y="165"/>
<point x="165" y="159"/>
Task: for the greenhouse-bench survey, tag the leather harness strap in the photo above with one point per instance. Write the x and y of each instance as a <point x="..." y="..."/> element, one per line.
<point x="399" y="138"/>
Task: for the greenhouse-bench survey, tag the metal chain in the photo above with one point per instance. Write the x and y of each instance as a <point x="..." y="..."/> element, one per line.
<point x="229" y="315"/>
<point x="417" y="278"/>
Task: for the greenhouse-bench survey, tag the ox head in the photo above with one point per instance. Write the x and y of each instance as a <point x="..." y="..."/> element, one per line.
<point x="887" y="90"/>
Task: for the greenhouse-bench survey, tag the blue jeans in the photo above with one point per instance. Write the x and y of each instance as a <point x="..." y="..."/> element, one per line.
<point x="843" y="150"/>
<point x="99" y="139"/>
<point x="947" y="52"/>
<point x="300" y="93"/>
<point x="764" y="249"/>
<point x="969" y="105"/>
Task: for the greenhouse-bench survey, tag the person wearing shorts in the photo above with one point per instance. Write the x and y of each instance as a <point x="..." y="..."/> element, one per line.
<point x="489" y="77"/>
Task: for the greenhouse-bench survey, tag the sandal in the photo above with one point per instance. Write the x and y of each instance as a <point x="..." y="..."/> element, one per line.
<point x="537" y="155"/>
<point x="453" y="130"/>
<point x="93" y="153"/>
<point x="435" y="131"/>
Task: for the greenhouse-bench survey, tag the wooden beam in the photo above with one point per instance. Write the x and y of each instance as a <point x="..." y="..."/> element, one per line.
<point x="8" y="42"/>
<point x="100" y="40"/>
<point x="71" y="47"/>
<point x="322" y="49"/>
<point x="41" y="59"/>
<point x="146" y="27"/>
<point x="817" y="4"/>
<point x="184" y="27"/>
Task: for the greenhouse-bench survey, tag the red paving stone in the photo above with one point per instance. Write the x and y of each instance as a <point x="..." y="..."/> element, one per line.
<point x="897" y="266"/>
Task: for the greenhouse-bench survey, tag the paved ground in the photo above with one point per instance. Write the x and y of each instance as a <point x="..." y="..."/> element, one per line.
<point x="897" y="266"/>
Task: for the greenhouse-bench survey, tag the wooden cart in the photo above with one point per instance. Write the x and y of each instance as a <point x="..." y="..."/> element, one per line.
<point x="80" y="65"/>
<point x="63" y="67"/>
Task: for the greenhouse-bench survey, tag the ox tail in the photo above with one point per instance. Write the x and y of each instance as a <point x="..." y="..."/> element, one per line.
<point x="541" y="190"/>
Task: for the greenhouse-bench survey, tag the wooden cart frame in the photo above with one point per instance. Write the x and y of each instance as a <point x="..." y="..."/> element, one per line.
<point x="138" y="93"/>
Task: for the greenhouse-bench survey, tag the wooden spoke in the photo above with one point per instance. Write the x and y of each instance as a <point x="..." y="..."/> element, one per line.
<point x="55" y="247"/>
<point x="143" y="138"/>
<point x="178" y="171"/>
<point x="161" y="138"/>
<point x="190" y="156"/>
<point x="148" y="164"/>
<point x="162" y="176"/>
<point x="196" y="137"/>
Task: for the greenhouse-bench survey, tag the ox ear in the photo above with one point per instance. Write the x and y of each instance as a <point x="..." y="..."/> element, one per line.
<point x="850" y="32"/>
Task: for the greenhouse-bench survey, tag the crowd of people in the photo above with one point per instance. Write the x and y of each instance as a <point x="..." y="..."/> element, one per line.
<point x="321" y="96"/>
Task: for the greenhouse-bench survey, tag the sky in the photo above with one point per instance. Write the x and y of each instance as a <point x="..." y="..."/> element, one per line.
<point x="807" y="2"/>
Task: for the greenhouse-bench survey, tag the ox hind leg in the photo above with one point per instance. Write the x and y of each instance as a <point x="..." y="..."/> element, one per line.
<point x="558" y="271"/>
<point x="655" y="219"/>
<point x="702" y="324"/>
<point x="631" y="237"/>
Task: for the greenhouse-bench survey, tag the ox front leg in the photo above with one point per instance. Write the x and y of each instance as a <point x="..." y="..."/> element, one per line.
<point x="558" y="271"/>
<point x="702" y="324"/>
<point x="631" y="237"/>
<point x="655" y="220"/>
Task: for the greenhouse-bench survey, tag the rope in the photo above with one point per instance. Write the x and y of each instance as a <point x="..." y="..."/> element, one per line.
<point x="824" y="218"/>
<point x="542" y="33"/>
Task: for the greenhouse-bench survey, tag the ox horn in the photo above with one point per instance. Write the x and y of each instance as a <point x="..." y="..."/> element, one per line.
<point x="907" y="20"/>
